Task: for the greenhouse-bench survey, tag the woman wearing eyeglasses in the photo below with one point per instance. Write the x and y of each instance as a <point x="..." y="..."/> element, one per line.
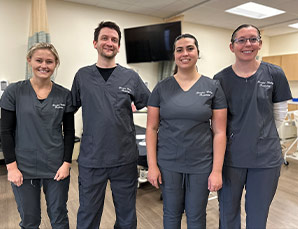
<point x="257" y="94"/>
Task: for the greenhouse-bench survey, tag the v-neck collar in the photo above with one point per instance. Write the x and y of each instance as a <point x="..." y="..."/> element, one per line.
<point x="192" y="86"/>
<point x="34" y="95"/>
<point x="99" y="77"/>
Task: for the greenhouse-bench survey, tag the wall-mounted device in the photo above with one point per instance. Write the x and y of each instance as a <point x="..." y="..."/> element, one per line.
<point x="151" y="43"/>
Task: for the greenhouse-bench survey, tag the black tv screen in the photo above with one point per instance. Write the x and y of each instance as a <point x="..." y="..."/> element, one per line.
<point x="151" y="43"/>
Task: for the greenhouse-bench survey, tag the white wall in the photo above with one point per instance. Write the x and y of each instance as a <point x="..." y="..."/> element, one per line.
<point x="265" y="47"/>
<point x="214" y="47"/>
<point x="14" y="24"/>
<point x="284" y="44"/>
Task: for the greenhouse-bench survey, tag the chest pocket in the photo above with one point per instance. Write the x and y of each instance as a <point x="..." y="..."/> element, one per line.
<point x="236" y="99"/>
<point x="50" y="115"/>
<point x="265" y="109"/>
<point x="45" y="115"/>
<point x="123" y="107"/>
<point x="264" y="92"/>
<point x="124" y="96"/>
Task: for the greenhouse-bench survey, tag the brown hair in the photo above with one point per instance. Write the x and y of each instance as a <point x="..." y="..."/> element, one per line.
<point x="241" y="27"/>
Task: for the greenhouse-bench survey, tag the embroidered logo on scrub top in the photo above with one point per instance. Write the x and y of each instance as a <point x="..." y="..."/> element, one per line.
<point x="125" y="89"/>
<point x="204" y="93"/>
<point x="59" y="106"/>
<point x="266" y="84"/>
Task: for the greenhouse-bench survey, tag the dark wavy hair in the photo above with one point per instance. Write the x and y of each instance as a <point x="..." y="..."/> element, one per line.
<point x="108" y="24"/>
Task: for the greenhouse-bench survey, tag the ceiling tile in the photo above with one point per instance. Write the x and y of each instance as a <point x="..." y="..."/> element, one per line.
<point x="207" y="12"/>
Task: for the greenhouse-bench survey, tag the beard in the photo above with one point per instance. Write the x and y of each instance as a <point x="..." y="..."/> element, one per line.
<point x="108" y="56"/>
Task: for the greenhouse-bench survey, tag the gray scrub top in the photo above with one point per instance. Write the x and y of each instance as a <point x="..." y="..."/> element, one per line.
<point x="108" y="138"/>
<point x="185" y="142"/>
<point x="39" y="144"/>
<point x="253" y="141"/>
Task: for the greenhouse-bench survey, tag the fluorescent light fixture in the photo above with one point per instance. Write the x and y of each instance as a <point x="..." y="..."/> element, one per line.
<point x="294" y="25"/>
<point x="254" y="10"/>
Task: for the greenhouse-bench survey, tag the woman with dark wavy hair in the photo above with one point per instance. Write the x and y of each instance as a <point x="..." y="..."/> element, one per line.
<point x="186" y="139"/>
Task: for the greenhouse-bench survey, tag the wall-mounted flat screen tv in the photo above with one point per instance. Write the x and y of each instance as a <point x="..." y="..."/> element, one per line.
<point x="151" y="43"/>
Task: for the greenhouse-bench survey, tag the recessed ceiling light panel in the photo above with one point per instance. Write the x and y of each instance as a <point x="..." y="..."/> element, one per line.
<point x="255" y="10"/>
<point x="294" y="25"/>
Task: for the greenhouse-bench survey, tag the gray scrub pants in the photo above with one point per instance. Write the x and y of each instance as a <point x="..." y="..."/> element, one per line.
<point x="28" y="201"/>
<point x="260" y="186"/>
<point x="187" y="192"/>
<point x="92" y="189"/>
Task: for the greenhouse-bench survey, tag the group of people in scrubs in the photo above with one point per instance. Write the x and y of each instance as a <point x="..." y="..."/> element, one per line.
<point x="203" y="135"/>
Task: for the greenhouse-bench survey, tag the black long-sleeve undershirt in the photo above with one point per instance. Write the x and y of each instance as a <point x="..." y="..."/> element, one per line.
<point x="8" y="126"/>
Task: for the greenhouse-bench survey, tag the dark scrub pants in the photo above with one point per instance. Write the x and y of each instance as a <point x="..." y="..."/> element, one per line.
<point x="92" y="188"/>
<point x="28" y="201"/>
<point x="260" y="185"/>
<point x="184" y="191"/>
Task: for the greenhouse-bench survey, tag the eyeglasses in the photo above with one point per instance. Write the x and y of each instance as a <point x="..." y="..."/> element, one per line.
<point x="242" y="40"/>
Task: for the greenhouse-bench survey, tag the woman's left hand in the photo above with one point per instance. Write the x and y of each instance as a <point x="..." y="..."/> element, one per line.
<point x="215" y="181"/>
<point x="63" y="171"/>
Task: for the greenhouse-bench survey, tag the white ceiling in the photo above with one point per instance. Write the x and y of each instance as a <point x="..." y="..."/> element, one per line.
<point x="208" y="12"/>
